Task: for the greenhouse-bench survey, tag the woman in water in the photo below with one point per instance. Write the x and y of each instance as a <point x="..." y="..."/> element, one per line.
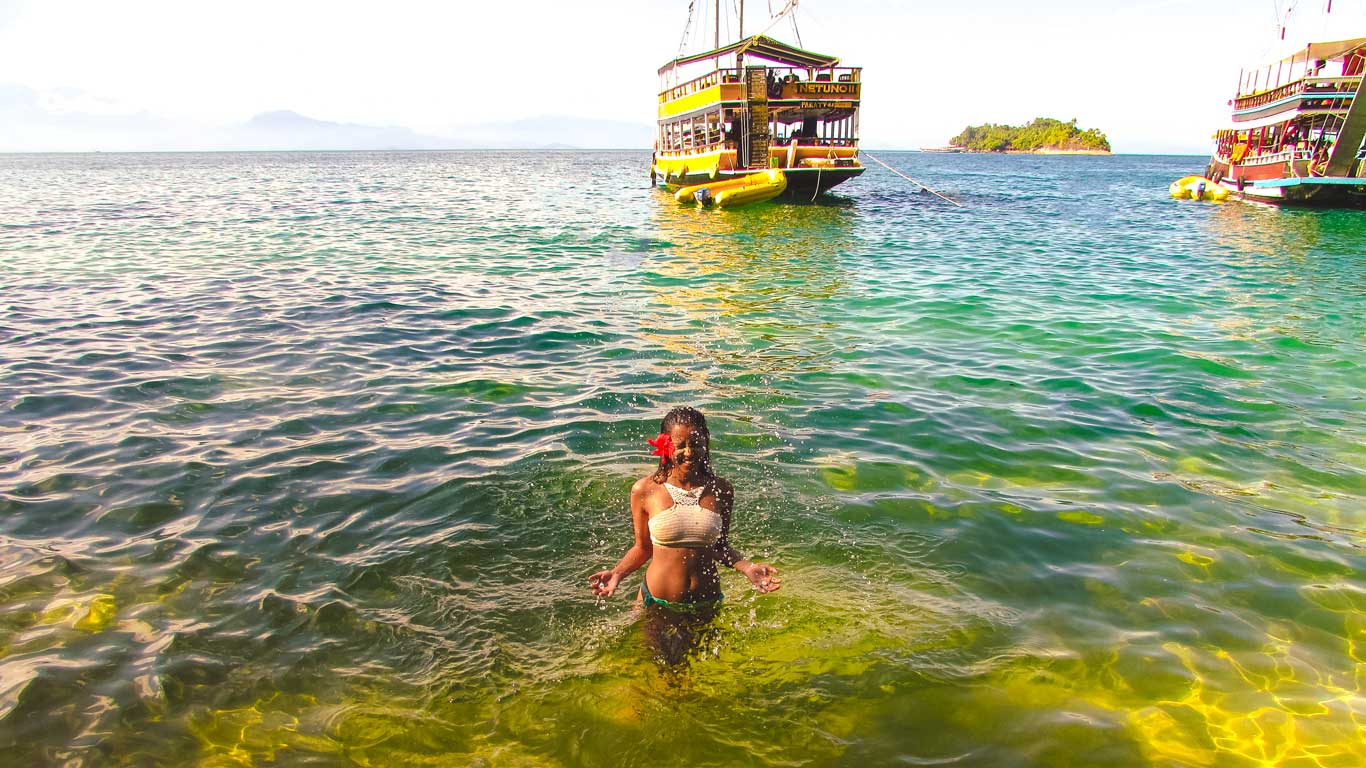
<point x="682" y="516"/>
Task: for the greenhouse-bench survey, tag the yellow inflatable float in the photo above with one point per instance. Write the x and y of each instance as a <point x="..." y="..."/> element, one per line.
<point x="752" y="188"/>
<point x="1197" y="188"/>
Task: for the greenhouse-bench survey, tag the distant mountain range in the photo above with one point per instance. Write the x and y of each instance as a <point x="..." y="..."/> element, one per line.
<point x="28" y="123"/>
<point x="290" y="130"/>
<point x="293" y="131"/>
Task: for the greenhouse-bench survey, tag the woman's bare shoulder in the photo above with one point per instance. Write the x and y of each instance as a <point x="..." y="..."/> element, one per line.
<point x="644" y="485"/>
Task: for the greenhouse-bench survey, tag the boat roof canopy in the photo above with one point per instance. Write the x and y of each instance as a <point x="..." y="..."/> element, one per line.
<point x="1325" y="51"/>
<point x="763" y="47"/>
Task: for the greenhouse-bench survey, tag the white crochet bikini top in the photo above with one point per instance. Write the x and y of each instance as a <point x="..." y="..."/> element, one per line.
<point x="687" y="523"/>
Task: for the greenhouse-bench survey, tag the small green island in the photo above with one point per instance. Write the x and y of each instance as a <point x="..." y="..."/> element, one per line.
<point x="1042" y="136"/>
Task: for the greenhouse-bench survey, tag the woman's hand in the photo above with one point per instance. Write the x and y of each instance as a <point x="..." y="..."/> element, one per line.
<point x="763" y="576"/>
<point x="604" y="583"/>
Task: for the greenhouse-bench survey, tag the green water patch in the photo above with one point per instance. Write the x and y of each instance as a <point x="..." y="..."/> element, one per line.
<point x="190" y="388"/>
<point x="787" y="657"/>
<point x="873" y="477"/>
<point x="482" y="389"/>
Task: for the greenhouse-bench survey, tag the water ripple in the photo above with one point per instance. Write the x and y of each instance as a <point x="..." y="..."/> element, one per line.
<point x="305" y="457"/>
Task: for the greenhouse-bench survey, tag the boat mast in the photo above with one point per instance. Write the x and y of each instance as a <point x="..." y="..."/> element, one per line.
<point x="718" y="25"/>
<point x="740" y="57"/>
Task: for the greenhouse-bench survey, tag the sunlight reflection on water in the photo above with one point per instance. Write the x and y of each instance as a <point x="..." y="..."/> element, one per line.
<point x="305" y="457"/>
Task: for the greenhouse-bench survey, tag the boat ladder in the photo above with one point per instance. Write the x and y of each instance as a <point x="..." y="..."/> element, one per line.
<point x="756" y="86"/>
<point x="1349" y="136"/>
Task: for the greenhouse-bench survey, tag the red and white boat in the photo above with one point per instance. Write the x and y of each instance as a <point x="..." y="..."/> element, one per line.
<point x="1295" y="137"/>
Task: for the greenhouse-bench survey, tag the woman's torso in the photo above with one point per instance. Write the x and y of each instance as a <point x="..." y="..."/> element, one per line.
<point x="683" y="573"/>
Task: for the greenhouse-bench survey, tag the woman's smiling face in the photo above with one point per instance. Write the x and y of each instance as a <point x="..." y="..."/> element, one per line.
<point x="689" y="447"/>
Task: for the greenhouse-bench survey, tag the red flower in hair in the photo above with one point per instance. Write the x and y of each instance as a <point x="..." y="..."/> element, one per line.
<point x="664" y="447"/>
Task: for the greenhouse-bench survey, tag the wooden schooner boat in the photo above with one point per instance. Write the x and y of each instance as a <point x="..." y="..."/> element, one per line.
<point x="755" y="104"/>
<point x="1297" y="129"/>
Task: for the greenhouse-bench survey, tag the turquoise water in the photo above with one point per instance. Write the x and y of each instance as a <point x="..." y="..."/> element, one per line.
<point x="305" y="460"/>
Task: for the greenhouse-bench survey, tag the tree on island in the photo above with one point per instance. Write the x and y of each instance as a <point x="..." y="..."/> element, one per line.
<point x="1043" y="133"/>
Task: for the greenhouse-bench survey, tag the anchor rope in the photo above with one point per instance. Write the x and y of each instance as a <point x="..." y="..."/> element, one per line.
<point x="913" y="181"/>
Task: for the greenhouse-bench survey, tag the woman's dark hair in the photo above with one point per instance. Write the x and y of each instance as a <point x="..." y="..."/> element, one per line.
<point x="684" y="416"/>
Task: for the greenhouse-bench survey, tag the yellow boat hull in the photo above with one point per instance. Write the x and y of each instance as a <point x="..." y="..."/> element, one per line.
<point x="1197" y="188"/>
<point x="688" y="195"/>
<point x="752" y="188"/>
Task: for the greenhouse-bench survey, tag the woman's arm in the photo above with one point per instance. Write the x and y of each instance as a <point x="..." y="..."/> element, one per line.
<point x="604" y="583"/>
<point x="763" y="576"/>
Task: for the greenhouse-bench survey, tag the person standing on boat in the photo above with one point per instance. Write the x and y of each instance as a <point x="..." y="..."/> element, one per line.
<point x="681" y="514"/>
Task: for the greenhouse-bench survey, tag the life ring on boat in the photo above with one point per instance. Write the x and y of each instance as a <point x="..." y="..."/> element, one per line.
<point x="1238" y="152"/>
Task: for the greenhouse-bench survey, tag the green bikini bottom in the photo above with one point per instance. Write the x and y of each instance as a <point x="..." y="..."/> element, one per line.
<point x="650" y="601"/>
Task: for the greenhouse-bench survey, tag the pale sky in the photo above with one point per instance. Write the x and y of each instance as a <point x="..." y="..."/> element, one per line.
<point x="1155" y="75"/>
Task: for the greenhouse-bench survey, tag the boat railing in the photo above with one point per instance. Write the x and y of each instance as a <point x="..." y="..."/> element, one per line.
<point x="815" y="141"/>
<point x="702" y="83"/>
<point x="1308" y="86"/>
<point x="1272" y="158"/>
<point x="777" y="74"/>
<point x="722" y="145"/>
